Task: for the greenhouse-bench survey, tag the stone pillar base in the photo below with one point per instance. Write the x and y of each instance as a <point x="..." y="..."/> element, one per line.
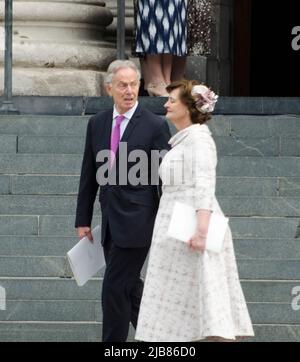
<point x="56" y="82"/>
<point x="59" y="47"/>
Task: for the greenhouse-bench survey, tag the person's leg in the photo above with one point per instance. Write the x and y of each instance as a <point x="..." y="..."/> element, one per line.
<point x="178" y="68"/>
<point x="144" y="71"/>
<point x="153" y="63"/>
<point x="167" y="61"/>
<point x="153" y="70"/>
<point x="120" y="301"/>
<point x="136" y="296"/>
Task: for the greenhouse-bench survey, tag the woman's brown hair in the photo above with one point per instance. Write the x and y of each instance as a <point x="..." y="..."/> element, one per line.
<point x="185" y="95"/>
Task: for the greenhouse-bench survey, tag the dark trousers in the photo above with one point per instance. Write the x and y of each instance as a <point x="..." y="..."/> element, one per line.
<point x="121" y="290"/>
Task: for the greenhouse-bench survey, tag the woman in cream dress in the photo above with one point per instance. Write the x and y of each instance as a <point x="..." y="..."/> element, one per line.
<point x="189" y="294"/>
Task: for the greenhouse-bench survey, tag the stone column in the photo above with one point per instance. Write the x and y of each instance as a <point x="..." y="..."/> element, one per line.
<point x="59" y="47"/>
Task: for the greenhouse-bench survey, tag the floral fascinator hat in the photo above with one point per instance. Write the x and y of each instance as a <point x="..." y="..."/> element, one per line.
<point x="205" y="98"/>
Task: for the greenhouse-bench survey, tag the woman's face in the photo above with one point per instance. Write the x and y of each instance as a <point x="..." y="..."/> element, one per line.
<point x="177" y="112"/>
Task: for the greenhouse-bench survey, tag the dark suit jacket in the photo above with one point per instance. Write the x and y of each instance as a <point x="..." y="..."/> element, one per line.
<point x="129" y="210"/>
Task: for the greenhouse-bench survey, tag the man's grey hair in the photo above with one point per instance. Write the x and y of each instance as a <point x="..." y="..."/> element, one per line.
<point x="116" y="65"/>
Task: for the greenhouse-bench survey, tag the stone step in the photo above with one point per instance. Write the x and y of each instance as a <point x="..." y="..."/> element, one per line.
<point x="43" y="125"/>
<point x="269" y="269"/>
<point x="37" y="205"/>
<point x="257" y="186"/>
<point x="266" y="126"/>
<point x="48" y="310"/>
<point x="227" y="165"/>
<point x="276" y="333"/>
<point x="273" y="313"/>
<point x="40" y="185"/>
<point x="51" y="144"/>
<point x="63" y="226"/>
<point x="25" y="225"/>
<point x="58" y="267"/>
<point x="264" y="227"/>
<point x="8" y="143"/>
<point x="91" y="332"/>
<point x="19" y="225"/>
<point x="43" y="289"/>
<point x="226" y="186"/>
<point x="260" y="206"/>
<point x="36" y="245"/>
<point x="259" y="167"/>
<point x="66" y="205"/>
<point x="5" y="187"/>
<point x="266" y="249"/>
<point x="260" y="147"/>
<point x="91" y="311"/>
<point x="40" y="164"/>
<point x="50" y="332"/>
<point x="252" y="126"/>
<point x="226" y="145"/>
<point x="71" y="106"/>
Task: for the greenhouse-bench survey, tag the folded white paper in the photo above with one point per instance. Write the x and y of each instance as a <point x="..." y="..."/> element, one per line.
<point x="87" y="258"/>
<point x="184" y="222"/>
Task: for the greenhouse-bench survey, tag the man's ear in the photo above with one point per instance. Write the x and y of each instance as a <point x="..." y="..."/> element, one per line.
<point x="107" y="88"/>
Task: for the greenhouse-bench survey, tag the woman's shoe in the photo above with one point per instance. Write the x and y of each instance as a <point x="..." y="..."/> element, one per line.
<point x="157" y="90"/>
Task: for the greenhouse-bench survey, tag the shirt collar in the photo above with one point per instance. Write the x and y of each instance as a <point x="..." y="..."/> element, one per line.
<point x="181" y="135"/>
<point x="128" y="114"/>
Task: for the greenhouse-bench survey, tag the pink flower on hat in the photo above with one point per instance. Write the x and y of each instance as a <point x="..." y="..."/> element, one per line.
<point x="205" y="98"/>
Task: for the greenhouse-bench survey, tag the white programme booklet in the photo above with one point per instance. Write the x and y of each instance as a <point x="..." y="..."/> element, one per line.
<point x="87" y="258"/>
<point x="183" y="225"/>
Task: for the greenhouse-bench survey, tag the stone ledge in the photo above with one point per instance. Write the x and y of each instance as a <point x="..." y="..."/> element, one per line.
<point x="55" y="82"/>
<point x="79" y="105"/>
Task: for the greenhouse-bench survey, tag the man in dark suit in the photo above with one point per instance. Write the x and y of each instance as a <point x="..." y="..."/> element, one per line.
<point x="128" y="208"/>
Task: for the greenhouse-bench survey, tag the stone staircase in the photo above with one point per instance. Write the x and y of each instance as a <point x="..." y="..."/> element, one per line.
<point x="258" y="187"/>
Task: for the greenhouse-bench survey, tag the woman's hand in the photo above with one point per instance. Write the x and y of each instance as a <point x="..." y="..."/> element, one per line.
<point x="198" y="242"/>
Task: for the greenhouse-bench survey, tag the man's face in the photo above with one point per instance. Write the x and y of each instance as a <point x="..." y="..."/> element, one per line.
<point x="124" y="89"/>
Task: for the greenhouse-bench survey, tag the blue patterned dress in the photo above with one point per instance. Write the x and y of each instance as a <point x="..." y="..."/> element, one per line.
<point x="161" y="27"/>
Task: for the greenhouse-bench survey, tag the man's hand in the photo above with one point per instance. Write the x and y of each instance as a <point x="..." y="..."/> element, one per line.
<point x="84" y="231"/>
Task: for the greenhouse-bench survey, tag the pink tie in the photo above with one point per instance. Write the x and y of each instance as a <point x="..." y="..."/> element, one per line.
<point x="115" y="138"/>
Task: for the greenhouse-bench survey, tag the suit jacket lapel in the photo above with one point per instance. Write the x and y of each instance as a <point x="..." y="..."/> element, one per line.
<point x="131" y="125"/>
<point x="106" y="131"/>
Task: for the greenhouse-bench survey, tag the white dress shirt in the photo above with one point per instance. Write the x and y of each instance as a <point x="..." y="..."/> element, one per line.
<point x="126" y="120"/>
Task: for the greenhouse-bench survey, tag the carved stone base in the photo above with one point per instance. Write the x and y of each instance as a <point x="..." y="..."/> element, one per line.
<point x="58" y="47"/>
<point x="56" y="82"/>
